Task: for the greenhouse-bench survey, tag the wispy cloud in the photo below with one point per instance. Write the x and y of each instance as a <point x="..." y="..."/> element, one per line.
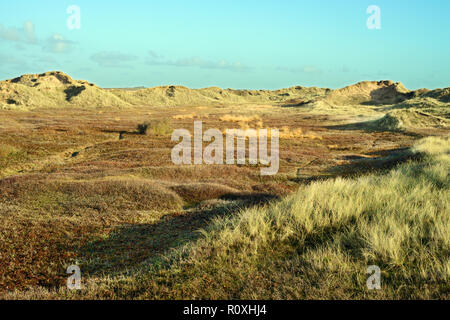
<point x="26" y="34"/>
<point x="155" y="55"/>
<point x="345" y="69"/>
<point x="112" y="58"/>
<point x="9" y="60"/>
<point x="196" y="62"/>
<point x="304" y="69"/>
<point x="57" y="44"/>
<point x="28" y="30"/>
<point x="45" y="60"/>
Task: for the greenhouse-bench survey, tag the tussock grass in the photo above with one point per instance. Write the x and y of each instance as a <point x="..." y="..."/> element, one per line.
<point x="241" y="118"/>
<point x="155" y="127"/>
<point x="319" y="242"/>
<point x="142" y="128"/>
<point x="284" y="133"/>
<point x="6" y="151"/>
<point x="183" y="116"/>
<point x="296" y="133"/>
<point x="10" y="155"/>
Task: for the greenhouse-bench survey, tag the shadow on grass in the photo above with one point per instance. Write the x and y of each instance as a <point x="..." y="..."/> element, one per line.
<point x="130" y="245"/>
<point x="382" y="161"/>
<point x="372" y="162"/>
<point x="122" y="133"/>
<point x="364" y="126"/>
<point x="369" y="126"/>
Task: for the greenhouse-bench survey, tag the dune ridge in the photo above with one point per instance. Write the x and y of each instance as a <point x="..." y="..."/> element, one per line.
<point x="398" y="108"/>
<point x="57" y="89"/>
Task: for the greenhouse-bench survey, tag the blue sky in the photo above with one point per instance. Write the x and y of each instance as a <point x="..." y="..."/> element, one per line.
<point x="232" y="44"/>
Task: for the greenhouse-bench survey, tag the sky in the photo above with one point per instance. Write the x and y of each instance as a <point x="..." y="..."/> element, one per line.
<point x="242" y="44"/>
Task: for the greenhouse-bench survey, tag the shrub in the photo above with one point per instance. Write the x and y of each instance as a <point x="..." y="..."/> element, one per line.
<point x="155" y="127"/>
<point x="6" y="150"/>
<point x="142" y="128"/>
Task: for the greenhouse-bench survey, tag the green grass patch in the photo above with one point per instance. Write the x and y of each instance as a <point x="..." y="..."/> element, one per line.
<point x="10" y="155"/>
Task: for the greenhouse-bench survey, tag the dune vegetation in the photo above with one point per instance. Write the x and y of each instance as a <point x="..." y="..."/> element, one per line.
<point x="86" y="178"/>
<point x="314" y="244"/>
<point x="404" y="119"/>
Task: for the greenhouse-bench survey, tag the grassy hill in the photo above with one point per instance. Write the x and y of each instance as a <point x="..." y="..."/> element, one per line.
<point x="53" y="89"/>
<point x="396" y="107"/>
<point x="56" y="89"/>
<point x="405" y="119"/>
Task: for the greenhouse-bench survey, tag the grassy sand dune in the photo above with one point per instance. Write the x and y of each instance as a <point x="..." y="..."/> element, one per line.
<point x="54" y="89"/>
<point x="405" y="119"/>
<point x="57" y="90"/>
<point x="369" y="93"/>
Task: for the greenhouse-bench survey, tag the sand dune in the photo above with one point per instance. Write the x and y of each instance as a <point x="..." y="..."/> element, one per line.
<point x="58" y="90"/>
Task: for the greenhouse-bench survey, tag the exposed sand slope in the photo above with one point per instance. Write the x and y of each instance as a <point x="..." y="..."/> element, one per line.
<point x="370" y="92"/>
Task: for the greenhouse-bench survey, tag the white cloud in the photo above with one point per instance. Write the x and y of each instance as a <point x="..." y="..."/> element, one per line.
<point x="29" y="32"/>
<point x="154" y="55"/>
<point x="11" y="34"/>
<point x="112" y="58"/>
<point x="26" y="34"/>
<point x="9" y="60"/>
<point x="304" y="69"/>
<point x="58" y="44"/>
<point x="196" y="62"/>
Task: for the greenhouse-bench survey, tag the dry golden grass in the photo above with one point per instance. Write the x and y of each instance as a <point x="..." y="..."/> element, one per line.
<point x="240" y="119"/>
<point x="155" y="127"/>
<point x="6" y="151"/>
<point x="184" y="116"/>
<point x="197" y="192"/>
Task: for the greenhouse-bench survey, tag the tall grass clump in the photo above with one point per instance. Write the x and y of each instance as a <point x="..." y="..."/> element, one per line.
<point x="7" y="150"/>
<point x="319" y="242"/>
<point x="142" y="128"/>
<point x="10" y="155"/>
<point x="155" y="127"/>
